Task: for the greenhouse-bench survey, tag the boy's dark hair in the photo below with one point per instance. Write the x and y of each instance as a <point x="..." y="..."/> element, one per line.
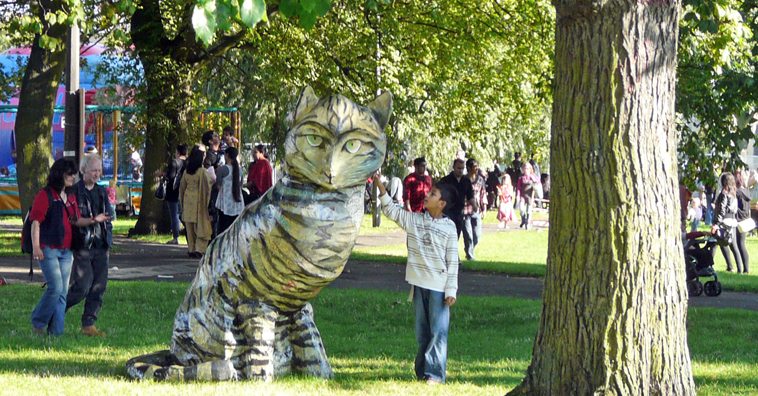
<point x="228" y="129"/>
<point x="418" y="161"/>
<point x="182" y="149"/>
<point x="457" y="160"/>
<point x="448" y="193"/>
<point x="470" y="162"/>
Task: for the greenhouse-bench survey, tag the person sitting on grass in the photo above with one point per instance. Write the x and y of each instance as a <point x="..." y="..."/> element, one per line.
<point x="432" y="271"/>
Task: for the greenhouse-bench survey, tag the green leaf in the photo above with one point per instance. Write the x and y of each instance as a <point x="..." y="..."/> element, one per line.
<point x="224" y="15"/>
<point x="322" y="7"/>
<point x="307" y="20"/>
<point x="308" y="5"/>
<point x="204" y="22"/>
<point x="372" y="5"/>
<point x="252" y="11"/>
<point x="290" y="8"/>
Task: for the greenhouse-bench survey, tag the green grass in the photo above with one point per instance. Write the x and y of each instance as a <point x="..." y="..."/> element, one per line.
<point x="524" y="253"/>
<point x="368" y="335"/>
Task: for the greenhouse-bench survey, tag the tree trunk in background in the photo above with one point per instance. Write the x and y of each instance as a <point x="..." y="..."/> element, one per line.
<point x="167" y="126"/>
<point x="34" y="120"/>
<point x="615" y="299"/>
<point x="169" y="103"/>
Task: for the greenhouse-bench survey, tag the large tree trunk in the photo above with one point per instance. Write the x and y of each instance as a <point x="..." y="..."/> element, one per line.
<point x="615" y="301"/>
<point x="168" y="124"/>
<point x="34" y="120"/>
<point x="169" y="99"/>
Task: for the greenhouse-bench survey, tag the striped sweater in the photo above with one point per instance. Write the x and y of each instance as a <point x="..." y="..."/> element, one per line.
<point x="432" y="248"/>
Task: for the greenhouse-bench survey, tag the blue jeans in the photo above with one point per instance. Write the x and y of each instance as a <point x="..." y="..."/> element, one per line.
<point x="89" y="280"/>
<point x="50" y="312"/>
<point x="472" y="232"/>
<point x="173" y="210"/>
<point x="432" y="323"/>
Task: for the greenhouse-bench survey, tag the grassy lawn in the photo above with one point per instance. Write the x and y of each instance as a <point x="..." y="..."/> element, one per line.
<point x="368" y="336"/>
<point x="524" y="253"/>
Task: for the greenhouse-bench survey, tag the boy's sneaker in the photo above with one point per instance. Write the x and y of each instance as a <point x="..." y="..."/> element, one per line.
<point x="432" y="382"/>
<point x="172" y="242"/>
<point x="92" y="331"/>
<point x="38" y="331"/>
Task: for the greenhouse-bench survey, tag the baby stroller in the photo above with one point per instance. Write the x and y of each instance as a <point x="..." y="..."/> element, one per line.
<point x="698" y="259"/>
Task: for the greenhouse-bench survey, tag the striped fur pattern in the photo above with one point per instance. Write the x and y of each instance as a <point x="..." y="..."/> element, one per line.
<point x="246" y="314"/>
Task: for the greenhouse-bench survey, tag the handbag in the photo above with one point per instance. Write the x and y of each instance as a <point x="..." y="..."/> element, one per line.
<point x="160" y="192"/>
<point x="746" y="225"/>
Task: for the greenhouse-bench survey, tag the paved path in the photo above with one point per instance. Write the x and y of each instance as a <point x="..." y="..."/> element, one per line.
<point x="137" y="260"/>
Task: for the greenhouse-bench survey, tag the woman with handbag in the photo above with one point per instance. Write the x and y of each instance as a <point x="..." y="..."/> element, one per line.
<point x="743" y="218"/>
<point x="725" y="221"/>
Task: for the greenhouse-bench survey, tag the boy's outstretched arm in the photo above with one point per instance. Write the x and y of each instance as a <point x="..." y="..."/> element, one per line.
<point x="393" y="212"/>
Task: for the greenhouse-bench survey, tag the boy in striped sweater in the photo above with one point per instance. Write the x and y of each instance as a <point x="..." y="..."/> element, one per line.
<point x="432" y="271"/>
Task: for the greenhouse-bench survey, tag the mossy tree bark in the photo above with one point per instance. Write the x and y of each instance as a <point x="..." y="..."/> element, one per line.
<point x="615" y="299"/>
<point x="34" y="120"/>
<point x="171" y="61"/>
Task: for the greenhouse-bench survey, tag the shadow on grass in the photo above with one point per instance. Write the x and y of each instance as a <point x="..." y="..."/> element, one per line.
<point x="368" y="336"/>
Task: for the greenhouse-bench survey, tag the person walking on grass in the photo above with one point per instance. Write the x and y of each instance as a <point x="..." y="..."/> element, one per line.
<point x="53" y="212"/>
<point x="505" y="208"/>
<point x="432" y="271"/>
<point x="473" y="214"/>
<point x="416" y="186"/>
<point x="89" y="276"/>
<point x="465" y="194"/>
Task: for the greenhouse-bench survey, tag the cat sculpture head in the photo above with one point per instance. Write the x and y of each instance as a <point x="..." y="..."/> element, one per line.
<point x="334" y="143"/>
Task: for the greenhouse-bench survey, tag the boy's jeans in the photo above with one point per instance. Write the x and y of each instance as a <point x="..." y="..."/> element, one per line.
<point x="472" y="232"/>
<point x="432" y="323"/>
<point x="50" y="312"/>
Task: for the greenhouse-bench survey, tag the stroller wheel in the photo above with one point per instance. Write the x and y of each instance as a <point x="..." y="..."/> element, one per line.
<point x="695" y="288"/>
<point x="712" y="288"/>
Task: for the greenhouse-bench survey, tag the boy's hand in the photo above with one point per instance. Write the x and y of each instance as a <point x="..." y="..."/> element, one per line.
<point x="449" y="301"/>
<point x="378" y="183"/>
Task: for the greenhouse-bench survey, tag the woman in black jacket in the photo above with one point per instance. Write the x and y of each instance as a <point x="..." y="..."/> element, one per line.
<point x="726" y="208"/>
<point x="743" y="213"/>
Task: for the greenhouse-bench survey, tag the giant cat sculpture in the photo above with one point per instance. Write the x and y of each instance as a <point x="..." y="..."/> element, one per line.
<point x="246" y="314"/>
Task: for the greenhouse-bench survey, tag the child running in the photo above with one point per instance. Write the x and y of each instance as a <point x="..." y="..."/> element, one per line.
<point x="432" y="271"/>
<point x="505" y="212"/>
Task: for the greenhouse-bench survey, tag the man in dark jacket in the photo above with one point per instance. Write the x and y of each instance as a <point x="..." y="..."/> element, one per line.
<point x="465" y="194"/>
<point x="91" y="244"/>
<point x="173" y="174"/>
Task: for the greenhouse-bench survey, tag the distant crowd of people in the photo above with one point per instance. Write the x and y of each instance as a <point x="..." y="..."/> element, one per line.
<point x="206" y="189"/>
<point x="724" y="208"/>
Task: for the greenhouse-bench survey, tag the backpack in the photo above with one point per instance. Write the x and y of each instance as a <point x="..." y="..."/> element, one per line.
<point x="26" y="233"/>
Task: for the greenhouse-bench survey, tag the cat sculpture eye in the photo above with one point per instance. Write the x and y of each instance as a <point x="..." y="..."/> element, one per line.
<point x="314" y="140"/>
<point x="352" y="146"/>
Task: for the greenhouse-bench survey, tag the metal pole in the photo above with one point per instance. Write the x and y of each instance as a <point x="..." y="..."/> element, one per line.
<point x="71" y="142"/>
<point x="116" y="123"/>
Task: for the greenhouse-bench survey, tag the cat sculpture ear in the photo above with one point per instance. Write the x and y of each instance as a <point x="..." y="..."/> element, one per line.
<point x="305" y="102"/>
<point x="382" y="108"/>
